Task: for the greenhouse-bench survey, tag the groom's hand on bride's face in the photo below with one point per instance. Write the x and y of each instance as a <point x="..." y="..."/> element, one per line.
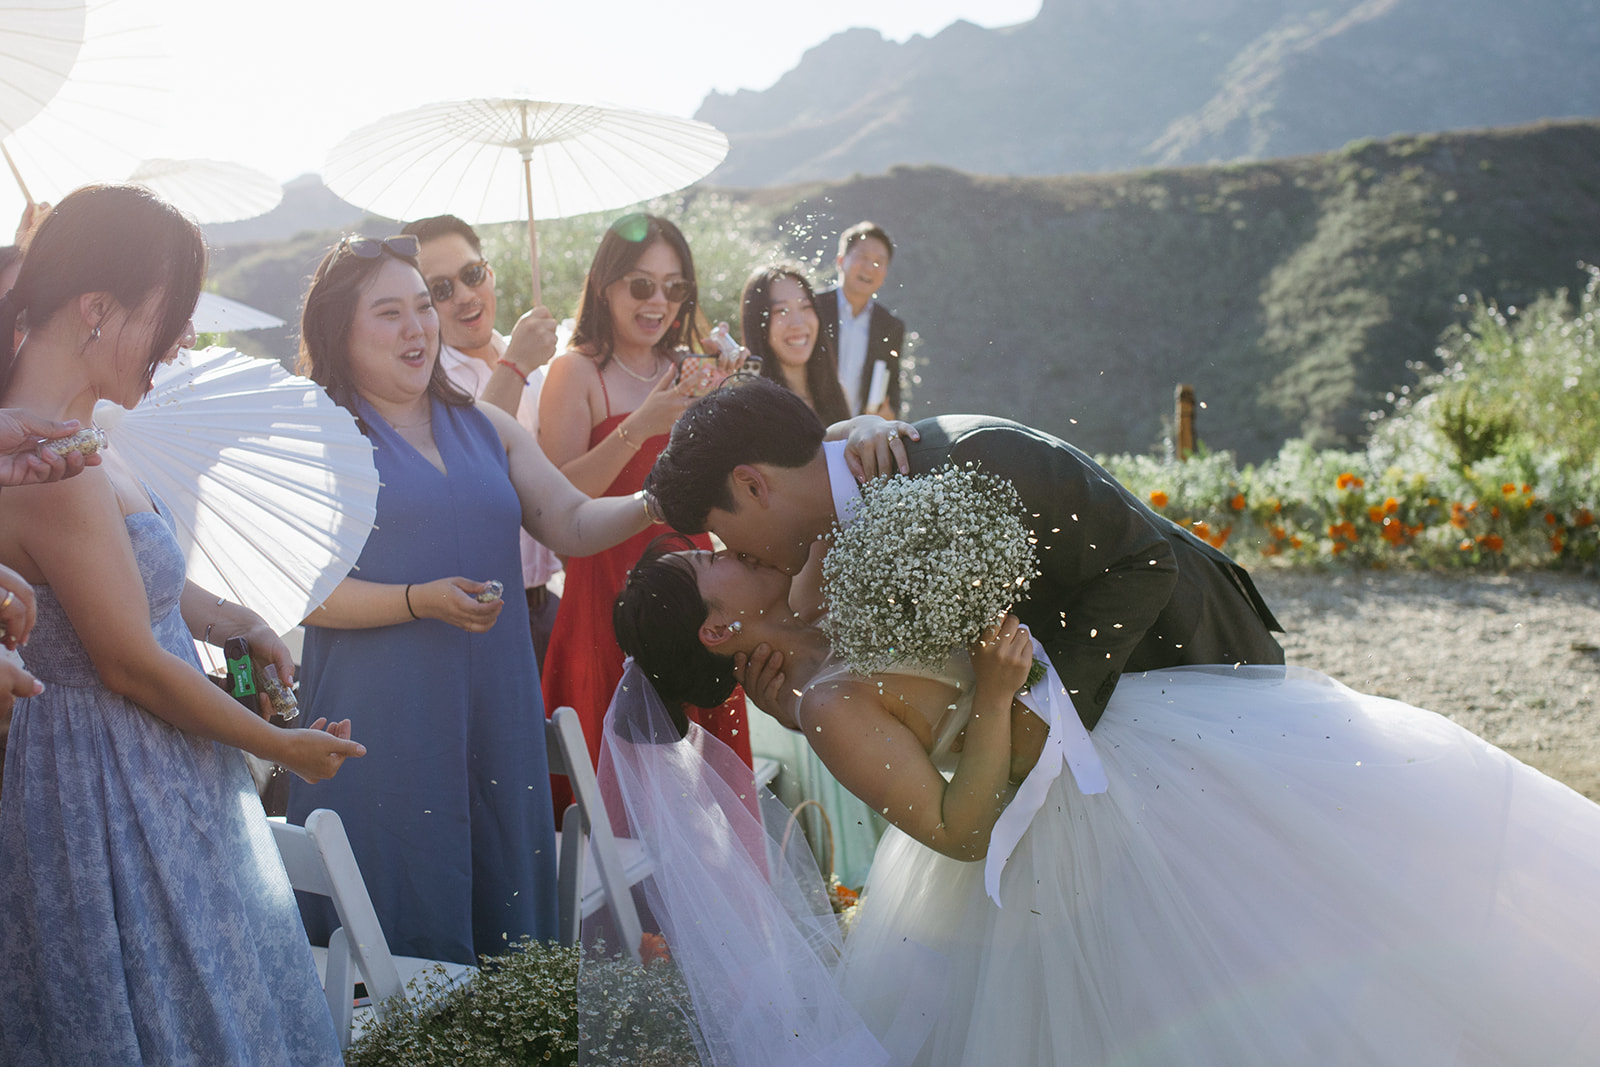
<point x="761" y="674"/>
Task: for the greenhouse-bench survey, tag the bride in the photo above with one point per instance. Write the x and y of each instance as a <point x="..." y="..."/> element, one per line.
<point x="1280" y="870"/>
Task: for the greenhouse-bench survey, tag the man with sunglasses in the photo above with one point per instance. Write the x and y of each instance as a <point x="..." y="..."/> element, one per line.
<point x="505" y="372"/>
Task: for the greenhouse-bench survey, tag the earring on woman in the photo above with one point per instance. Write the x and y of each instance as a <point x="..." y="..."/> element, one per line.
<point x="735" y="626"/>
<point x="94" y="334"/>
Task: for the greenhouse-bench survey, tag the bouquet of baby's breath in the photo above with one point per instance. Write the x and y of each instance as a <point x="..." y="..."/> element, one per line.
<point x="928" y="562"/>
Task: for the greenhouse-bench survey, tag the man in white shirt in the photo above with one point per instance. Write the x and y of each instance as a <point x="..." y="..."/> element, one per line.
<point x="507" y="373"/>
<point x="866" y="335"/>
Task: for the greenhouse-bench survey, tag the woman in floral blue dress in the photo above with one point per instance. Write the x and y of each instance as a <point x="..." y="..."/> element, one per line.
<point x="144" y="914"/>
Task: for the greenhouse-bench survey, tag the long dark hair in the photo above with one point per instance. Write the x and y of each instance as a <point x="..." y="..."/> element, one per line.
<point x="117" y="239"/>
<point x="657" y="618"/>
<point x="822" y="366"/>
<point x="624" y="244"/>
<point x="329" y="314"/>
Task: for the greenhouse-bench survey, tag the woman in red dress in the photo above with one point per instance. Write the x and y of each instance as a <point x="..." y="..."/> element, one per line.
<point x="608" y="404"/>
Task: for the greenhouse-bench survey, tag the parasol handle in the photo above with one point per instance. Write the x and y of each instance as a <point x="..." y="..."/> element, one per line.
<point x="533" y="237"/>
<point x="17" y="174"/>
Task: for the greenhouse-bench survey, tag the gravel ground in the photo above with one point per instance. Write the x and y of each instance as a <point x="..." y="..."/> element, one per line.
<point x="1513" y="658"/>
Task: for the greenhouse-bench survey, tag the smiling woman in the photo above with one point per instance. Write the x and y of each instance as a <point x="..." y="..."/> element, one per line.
<point x="605" y="412"/>
<point x="450" y="822"/>
<point x="781" y="326"/>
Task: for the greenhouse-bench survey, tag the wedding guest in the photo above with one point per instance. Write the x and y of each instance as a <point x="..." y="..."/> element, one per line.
<point x="781" y="328"/>
<point x="449" y="815"/>
<point x="144" y="916"/>
<point x="862" y="332"/>
<point x="505" y="372"/>
<point x="607" y="406"/>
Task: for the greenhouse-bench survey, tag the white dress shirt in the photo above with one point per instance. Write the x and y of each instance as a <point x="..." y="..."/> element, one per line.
<point x="539" y="564"/>
<point x="854" y="333"/>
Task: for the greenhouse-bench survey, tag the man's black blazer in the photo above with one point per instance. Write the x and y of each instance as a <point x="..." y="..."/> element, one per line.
<point x="886" y="336"/>
<point x="1121" y="588"/>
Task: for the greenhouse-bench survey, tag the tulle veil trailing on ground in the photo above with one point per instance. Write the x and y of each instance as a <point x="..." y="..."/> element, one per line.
<point x="746" y="917"/>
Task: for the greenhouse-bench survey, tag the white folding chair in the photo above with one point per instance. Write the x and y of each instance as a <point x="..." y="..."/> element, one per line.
<point x="617" y="862"/>
<point x="319" y="860"/>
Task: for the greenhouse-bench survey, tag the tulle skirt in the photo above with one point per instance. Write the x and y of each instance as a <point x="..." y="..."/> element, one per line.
<point x="1283" y="872"/>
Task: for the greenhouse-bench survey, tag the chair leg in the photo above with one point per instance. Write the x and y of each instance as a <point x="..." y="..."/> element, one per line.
<point x="571" y="864"/>
<point x="339" y="986"/>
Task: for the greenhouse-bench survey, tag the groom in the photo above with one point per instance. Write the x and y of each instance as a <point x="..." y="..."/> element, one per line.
<point x="1120" y="587"/>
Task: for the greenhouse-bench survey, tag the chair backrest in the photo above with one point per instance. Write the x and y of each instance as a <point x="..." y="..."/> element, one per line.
<point x="568" y="755"/>
<point x="319" y="860"/>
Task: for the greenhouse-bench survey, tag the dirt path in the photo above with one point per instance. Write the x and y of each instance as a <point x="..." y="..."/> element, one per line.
<point x="1515" y="659"/>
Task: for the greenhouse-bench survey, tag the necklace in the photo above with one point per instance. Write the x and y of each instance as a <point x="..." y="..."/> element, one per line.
<point x="424" y="421"/>
<point x="654" y="356"/>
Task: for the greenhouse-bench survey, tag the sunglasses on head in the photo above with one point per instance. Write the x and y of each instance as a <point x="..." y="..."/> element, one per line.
<point x="677" y="291"/>
<point x="403" y="244"/>
<point x="471" y="276"/>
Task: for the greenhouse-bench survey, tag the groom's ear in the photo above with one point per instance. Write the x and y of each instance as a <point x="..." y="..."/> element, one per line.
<point x="750" y="485"/>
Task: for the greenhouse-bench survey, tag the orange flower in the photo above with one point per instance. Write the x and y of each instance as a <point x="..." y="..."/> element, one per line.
<point x="845" y="896"/>
<point x="1338" y="547"/>
<point x="1466" y="544"/>
<point x="1527" y="489"/>
<point x="1202" y="529"/>
<point x="1295" y="542"/>
<point x="653" y="947"/>
<point x="1375" y="514"/>
<point x="1493" y="542"/>
<point x="1508" y="489"/>
<point x="1556" y="544"/>
<point x="1158" y="499"/>
<point x="1585" y="518"/>
<point x="1494" y="511"/>
<point x="1237" y="503"/>
<point x="1390" y="505"/>
<point x="1549" y="518"/>
<point x="1278" y="533"/>
<point x="1221" y="537"/>
<point x="1348" y="481"/>
<point x="1458" y="516"/>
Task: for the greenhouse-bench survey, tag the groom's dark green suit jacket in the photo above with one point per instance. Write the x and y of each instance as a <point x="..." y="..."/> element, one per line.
<point x="1121" y="588"/>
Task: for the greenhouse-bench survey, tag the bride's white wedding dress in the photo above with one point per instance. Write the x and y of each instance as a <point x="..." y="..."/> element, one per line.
<point x="1281" y="871"/>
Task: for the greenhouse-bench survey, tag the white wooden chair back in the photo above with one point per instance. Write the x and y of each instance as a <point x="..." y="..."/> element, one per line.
<point x="618" y="863"/>
<point x="319" y="860"/>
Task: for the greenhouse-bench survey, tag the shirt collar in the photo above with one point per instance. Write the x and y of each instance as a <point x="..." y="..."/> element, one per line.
<point x="846" y="493"/>
<point x="846" y="312"/>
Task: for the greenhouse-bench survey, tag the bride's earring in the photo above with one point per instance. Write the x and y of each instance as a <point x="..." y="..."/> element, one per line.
<point x="736" y="626"/>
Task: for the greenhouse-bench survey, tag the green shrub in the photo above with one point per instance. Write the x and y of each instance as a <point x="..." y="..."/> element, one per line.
<point x="523" y="1008"/>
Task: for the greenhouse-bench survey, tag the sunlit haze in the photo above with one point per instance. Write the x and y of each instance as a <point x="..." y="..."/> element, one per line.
<point x="274" y="86"/>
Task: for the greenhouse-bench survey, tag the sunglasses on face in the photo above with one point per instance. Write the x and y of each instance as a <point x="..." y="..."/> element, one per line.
<point x="403" y="244"/>
<point x="471" y="276"/>
<point x="677" y="291"/>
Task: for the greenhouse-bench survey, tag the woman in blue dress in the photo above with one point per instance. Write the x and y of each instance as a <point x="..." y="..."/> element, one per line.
<point x="450" y="819"/>
<point x="144" y="914"/>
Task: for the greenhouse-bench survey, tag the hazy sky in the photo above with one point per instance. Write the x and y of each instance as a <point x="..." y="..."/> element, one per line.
<point x="275" y="84"/>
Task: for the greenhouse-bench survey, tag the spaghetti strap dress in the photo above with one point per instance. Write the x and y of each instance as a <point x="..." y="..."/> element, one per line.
<point x="145" y="916"/>
<point x="448" y="812"/>
<point x="584" y="662"/>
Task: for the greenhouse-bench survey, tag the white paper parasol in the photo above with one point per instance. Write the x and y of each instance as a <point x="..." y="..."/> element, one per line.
<point x="208" y="189"/>
<point x="501" y="160"/>
<point x="114" y="100"/>
<point x="215" y="313"/>
<point x="39" y="43"/>
<point x="272" y="484"/>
